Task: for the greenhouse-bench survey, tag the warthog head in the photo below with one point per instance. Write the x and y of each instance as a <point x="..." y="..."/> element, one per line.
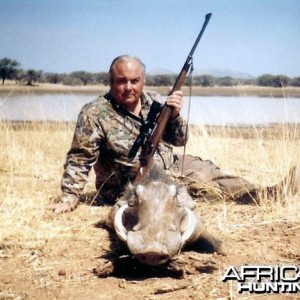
<point x="155" y="220"/>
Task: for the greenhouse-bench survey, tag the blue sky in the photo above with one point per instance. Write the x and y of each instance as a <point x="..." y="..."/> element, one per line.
<point x="252" y="36"/>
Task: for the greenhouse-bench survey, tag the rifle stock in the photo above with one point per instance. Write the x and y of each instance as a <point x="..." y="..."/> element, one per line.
<point x="153" y="139"/>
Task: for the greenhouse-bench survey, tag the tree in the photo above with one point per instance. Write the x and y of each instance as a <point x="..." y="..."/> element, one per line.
<point x="8" y="68"/>
<point x="226" y="81"/>
<point x="281" y="81"/>
<point x="82" y="76"/>
<point x="204" y="80"/>
<point x="33" y="76"/>
<point x="274" y="81"/>
<point x="160" y="80"/>
<point x="265" y="80"/>
<point x="101" y="78"/>
<point x="20" y="76"/>
<point x="295" y="81"/>
<point x="53" y="78"/>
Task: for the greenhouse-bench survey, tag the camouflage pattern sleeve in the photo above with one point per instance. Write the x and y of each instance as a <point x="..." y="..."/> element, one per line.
<point x="82" y="155"/>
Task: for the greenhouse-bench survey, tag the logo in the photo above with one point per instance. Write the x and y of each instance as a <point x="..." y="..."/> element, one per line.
<point x="265" y="279"/>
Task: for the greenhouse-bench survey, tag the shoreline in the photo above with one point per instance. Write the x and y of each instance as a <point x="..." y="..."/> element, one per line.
<point x="236" y="91"/>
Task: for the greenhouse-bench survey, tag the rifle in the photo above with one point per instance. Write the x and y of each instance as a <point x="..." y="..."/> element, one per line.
<point x="158" y="117"/>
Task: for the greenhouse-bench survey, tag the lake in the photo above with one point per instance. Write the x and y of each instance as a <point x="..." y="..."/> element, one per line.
<point x="215" y="110"/>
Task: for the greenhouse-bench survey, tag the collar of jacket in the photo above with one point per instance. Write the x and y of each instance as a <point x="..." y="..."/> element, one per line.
<point x="123" y="111"/>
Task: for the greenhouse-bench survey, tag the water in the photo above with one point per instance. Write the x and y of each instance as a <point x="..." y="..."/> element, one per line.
<point x="243" y="110"/>
<point x="43" y="107"/>
<point x="214" y="110"/>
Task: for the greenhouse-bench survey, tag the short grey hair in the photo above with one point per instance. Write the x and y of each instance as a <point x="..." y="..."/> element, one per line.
<point x="125" y="58"/>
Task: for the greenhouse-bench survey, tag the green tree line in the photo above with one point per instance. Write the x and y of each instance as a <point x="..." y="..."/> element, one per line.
<point x="11" y="69"/>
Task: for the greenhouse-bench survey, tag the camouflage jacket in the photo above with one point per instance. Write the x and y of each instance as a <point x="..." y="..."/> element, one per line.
<point x="104" y="134"/>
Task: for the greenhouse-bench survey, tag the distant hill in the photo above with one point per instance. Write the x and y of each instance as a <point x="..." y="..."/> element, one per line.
<point x="223" y="73"/>
<point x="161" y="71"/>
<point x="213" y="72"/>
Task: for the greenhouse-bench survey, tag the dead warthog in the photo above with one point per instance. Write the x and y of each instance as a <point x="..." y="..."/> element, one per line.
<point x="156" y="219"/>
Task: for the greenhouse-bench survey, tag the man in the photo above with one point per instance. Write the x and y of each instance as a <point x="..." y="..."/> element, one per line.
<point x="107" y="128"/>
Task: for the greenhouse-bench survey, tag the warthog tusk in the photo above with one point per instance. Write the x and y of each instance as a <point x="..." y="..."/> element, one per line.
<point x="118" y="224"/>
<point x="191" y="225"/>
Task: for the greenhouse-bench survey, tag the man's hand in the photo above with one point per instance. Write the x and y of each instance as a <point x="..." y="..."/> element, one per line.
<point x="64" y="204"/>
<point x="176" y="102"/>
<point x="61" y="207"/>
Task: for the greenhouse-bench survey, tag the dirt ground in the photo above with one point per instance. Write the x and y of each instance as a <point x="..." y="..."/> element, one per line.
<point x="68" y="265"/>
<point x="72" y="256"/>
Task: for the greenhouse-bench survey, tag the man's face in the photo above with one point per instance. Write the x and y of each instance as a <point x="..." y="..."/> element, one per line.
<point x="127" y="83"/>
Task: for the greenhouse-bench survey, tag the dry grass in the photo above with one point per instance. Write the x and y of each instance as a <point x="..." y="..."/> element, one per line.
<point x="47" y="256"/>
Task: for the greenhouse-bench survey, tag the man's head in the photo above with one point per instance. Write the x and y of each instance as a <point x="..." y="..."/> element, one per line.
<point x="126" y="79"/>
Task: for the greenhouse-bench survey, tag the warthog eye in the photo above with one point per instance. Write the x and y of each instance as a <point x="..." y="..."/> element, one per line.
<point x="132" y="201"/>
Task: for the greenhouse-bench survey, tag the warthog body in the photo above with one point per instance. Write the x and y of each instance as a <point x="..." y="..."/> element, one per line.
<point x="156" y="219"/>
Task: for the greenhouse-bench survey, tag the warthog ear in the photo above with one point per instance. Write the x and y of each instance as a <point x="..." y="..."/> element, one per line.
<point x="184" y="199"/>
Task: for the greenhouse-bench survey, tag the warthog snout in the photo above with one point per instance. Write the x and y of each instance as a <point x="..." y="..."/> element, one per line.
<point x="153" y="254"/>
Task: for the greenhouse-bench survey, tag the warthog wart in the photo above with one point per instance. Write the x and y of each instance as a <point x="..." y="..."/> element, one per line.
<point x="156" y="219"/>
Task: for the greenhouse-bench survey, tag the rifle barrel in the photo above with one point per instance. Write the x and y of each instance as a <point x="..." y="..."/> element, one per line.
<point x="207" y="18"/>
<point x="186" y="67"/>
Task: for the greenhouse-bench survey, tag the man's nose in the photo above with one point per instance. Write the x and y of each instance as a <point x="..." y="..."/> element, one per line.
<point x="128" y="85"/>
